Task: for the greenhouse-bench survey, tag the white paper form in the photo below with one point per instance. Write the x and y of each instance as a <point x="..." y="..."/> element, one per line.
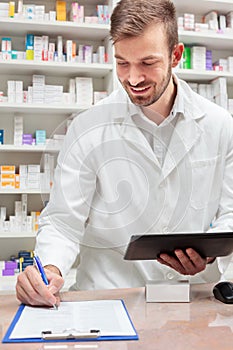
<point x="108" y="316"/>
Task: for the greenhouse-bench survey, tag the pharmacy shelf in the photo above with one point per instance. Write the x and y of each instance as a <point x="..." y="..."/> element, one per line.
<point x="208" y="38"/>
<point x="39" y="108"/>
<point x="29" y="148"/>
<point x="17" y="234"/>
<point x="69" y="30"/>
<point x="202" y="76"/>
<point x="203" y="6"/>
<point x="7" y="284"/>
<point x="69" y="70"/>
<point x="19" y="191"/>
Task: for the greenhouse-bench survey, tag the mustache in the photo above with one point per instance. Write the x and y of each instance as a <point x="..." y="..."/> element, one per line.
<point x="140" y="85"/>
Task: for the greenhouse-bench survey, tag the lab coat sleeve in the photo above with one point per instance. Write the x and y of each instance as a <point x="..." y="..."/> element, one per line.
<point x="224" y="217"/>
<point x="62" y="222"/>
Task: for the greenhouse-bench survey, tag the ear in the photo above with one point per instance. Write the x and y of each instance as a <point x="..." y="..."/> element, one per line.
<point x="177" y="54"/>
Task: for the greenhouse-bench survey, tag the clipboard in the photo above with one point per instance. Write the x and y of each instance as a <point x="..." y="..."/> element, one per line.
<point x="72" y="335"/>
<point x="150" y="246"/>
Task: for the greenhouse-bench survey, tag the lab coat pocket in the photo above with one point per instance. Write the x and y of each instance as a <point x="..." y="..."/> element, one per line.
<point x="206" y="181"/>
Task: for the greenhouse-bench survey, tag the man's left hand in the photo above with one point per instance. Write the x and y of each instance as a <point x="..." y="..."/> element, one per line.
<point x="187" y="262"/>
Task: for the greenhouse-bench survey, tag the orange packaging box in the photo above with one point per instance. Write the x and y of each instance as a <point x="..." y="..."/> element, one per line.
<point x="61" y="10"/>
<point x="7" y="177"/>
<point x="7" y="169"/>
<point x="8" y="184"/>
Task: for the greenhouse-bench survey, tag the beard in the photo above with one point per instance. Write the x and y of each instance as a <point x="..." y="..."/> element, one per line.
<point x="154" y="93"/>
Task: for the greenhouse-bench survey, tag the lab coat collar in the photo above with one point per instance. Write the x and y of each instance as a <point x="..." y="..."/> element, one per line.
<point x="186" y="133"/>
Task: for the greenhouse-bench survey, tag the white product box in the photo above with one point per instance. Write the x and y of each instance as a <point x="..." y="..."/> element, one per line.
<point x="101" y="54"/>
<point x="230" y="64"/>
<point x="198" y="57"/>
<point x="69" y="45"/>
<point x="39" y="79"/>
<point x="229" y="19"/>
<point x="4" y="6"/>
<point x="221" y="100"/>
<point x="2" y="213"/>
<point x="84" y="91"/>
<point x="23" y="182"/>
<point x="33" y="177"/>
<point x="222" y="62"/>
<point x="230" y="105"/>
<point x="201" y="26"/>
<point x="99" y="95"/>
<point x="52" y="16"/>
<point x="212" y="19"/>
<point x="45" y="42"/>
<point x="88" y="50"/>
<point x="33" y="168"/>
<point x="4" y="13"/>
<point x="165" y="292"/>
<point x="24" y="200"/>
<point x="34" y="185"/>
<point x="19" y="97"/>
<point x="222" y="22"/>
<point x="18" y="86"/>
<point x="29" y="223"/>
<point x="59" y="48"/>
<point x="23" y="169"/>
<point x="219" y="86"/>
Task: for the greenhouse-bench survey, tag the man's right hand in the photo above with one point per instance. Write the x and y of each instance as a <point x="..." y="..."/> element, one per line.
<point x="31" y="290"/>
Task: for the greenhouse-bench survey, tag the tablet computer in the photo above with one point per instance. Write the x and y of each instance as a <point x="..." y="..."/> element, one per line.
<point x="150" y="246"/>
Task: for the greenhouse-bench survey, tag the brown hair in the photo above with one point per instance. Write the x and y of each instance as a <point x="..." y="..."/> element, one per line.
<point x="131" y="17"/>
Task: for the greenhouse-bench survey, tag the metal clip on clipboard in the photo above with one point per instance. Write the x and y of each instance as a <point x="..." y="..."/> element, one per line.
<point x="70" y="334"/>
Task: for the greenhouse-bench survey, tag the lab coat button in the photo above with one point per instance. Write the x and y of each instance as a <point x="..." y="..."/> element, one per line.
<point x="165" y="229"/>
<point x="170" y="276"/>
<point x="162" y="184"/>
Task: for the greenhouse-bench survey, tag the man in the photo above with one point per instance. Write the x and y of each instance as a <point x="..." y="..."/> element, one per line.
<point x="152" y="157"/>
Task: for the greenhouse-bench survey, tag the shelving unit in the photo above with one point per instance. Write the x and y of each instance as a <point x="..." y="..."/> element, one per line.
<point x="192" y="75"/>
<point x="203" y="6"/>
<point x="219" y="42"/>
<point x="96" y="70"/>
<point x="71" y="30"/>
<point x="40" y="116"/>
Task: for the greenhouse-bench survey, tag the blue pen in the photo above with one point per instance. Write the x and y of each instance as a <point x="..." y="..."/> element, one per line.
<point x="42" y="272"/>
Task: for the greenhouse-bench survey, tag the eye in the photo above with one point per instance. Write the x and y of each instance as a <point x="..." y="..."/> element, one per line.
<point x="122" y="63"/>
<point x="148" y="63"/>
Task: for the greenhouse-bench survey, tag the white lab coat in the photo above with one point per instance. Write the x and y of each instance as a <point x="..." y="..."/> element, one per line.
<point x="109" y="185"/>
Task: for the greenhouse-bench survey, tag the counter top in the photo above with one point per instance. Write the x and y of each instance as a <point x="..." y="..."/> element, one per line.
<point x="204" y="323"/>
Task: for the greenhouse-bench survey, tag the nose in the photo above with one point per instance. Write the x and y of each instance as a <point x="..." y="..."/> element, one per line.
<point x="135" y="76"/>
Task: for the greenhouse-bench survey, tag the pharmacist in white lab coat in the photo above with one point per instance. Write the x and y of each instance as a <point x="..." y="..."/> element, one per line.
<point x="152" y="157"/>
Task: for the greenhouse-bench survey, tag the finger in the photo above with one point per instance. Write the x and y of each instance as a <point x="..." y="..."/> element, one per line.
<point x="58" y="299"/>
<point x="56" y="282"/>
<point x="163" y="262"/>
<point x="185" y="262"/>
<point x="21" y="295"/>
<point x="24" y="289"/>
<point x="191" y="261"/>
<point x="172" y="262"/>
<point x="197" y="260"/>
<point x="34" y="289"/>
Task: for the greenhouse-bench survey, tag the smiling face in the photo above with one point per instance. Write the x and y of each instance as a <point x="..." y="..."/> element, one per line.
<point x="144" y="66"/>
